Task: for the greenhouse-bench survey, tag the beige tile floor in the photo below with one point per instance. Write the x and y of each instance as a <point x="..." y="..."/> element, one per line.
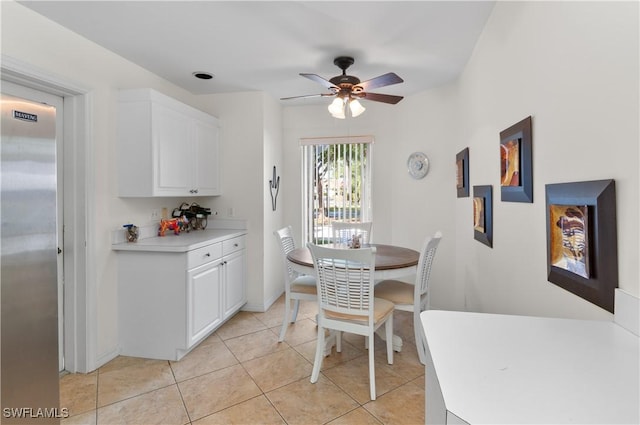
<point x="242" y="375"/>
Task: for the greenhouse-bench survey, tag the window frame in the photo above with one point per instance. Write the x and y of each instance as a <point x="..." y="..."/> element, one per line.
<point x="309" y="152"/>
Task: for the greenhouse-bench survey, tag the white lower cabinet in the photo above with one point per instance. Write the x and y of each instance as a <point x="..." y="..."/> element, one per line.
<point x="171" y="301"/>
<point x="234" y="278"/>
<point x="204" y="303"/>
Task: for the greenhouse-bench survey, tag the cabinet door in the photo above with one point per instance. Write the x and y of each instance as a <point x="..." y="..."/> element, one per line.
<point x="204" y="310"/>
<point x="173" y="152"/>
<point x="207" y="181"/>
<point x="235" y="294"/>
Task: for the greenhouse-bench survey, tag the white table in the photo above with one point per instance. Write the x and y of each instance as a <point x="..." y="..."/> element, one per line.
<point x="501" y="369"/>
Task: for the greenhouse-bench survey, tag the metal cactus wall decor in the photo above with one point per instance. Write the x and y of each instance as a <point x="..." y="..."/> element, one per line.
<point x="274" y="188"/>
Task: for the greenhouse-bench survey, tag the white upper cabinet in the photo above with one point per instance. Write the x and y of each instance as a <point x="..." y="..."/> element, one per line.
<point x="165" y="148"/>
<point x="206" y="174"/>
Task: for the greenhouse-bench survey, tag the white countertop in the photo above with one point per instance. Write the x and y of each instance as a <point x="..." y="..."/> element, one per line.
<point x="179" y="243"/>
<point x="515" y="369"/>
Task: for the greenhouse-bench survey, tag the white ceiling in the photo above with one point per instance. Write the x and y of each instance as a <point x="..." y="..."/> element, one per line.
<point x="264" y="45"/>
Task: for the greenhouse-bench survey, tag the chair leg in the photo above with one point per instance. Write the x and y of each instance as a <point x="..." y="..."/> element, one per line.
<point x="285" y="320"/>
<point x="317" y="362"/>
<point x="338" y="341"/>
<point x="421" y="344"/>
<point x="388" y="327"/>
<point x="422" y="348"/>
<point x="372" y="367"/>
<point x="296" y="305"/>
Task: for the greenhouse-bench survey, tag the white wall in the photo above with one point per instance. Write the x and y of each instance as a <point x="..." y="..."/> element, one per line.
<point x="44" y="45"/>
<point x="251" y="134"/>
<point x="273" y="156"/>
<point x="573" y="66"/>
<point x="314" y="121"/>
<point x="242" y="157"/>
<point x="427" y="123"/>
<point x="405" y="210"/>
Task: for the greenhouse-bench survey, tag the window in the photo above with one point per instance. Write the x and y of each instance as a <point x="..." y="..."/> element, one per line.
<point x="336" y="183"/>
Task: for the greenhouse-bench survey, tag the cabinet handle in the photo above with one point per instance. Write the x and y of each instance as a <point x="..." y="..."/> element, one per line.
<point x="195" y="190"/>
<point x="235" y="244"/>
<point x="207" y="255"/>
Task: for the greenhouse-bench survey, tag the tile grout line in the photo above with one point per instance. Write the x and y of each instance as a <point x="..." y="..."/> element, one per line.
<point x="296" y="349"/>
<point x="306" y="377"/>
<point x="262" y="392"/>
<point x="132" y="396"/>
<point x="184" y="404"/>
<point x="97" y="392"/>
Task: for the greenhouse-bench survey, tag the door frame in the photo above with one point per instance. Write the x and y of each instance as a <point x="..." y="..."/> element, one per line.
<point x="80" y="319"/>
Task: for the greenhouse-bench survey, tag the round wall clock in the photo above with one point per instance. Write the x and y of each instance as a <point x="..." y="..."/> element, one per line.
<point x="418" y="165"/>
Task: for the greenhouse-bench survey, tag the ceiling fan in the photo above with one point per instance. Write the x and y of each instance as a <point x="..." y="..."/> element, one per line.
<point x="348" y="89"/>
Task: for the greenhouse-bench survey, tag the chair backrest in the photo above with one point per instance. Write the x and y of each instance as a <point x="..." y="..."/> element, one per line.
<point x="345" y="279"/>
<point x="343" y="231"/>
<point x="287" y="244"/>
<point x="427" y="253"/>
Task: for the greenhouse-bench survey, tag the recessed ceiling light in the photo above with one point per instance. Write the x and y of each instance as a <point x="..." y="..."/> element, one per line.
<point x="203" y="75"/>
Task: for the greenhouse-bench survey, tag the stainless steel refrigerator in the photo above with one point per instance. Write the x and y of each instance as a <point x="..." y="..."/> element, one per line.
<point x="29" y="330"/>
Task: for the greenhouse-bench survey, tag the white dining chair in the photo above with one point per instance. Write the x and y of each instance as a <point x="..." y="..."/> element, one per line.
<point x="413" y="297"/>
<point x="343" y="232"/>
<point x="346" y="302"/>
<point x="296" y="286"/>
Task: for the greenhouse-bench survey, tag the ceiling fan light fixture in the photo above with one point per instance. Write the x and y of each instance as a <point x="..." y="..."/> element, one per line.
<point x="356" y="107"/>
<point x="336" y="108"/>
<point x="349" y="89"/>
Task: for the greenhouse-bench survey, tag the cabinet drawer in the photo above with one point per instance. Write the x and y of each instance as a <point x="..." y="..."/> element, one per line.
<point x="203" y="255"/>
<point x="233" y="245"/>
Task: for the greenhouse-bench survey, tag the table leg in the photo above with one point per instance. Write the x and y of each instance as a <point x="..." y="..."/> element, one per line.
<point x="397" y="341"/>
<point x="329" y="342"/>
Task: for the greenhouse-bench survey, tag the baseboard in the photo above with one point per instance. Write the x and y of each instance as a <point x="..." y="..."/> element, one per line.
<point x="254" y="308"/>
<point x="261" y="308"/>
<point x="107" y="357"/>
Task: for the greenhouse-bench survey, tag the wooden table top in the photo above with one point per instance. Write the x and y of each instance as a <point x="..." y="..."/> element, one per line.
<point x="388" y="257"/>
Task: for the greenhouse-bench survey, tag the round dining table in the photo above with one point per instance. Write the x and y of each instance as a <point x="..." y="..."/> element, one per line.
<point x="392" y="262"/>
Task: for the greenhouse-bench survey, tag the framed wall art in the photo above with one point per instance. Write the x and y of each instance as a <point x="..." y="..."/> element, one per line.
<point x="582" y="246"/>
<point x="462" y="173"/>
<point x="483" y="215"/>
<point x="516" y="168"/>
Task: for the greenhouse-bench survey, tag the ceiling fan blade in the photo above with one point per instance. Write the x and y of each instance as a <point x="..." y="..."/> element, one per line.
<point x="386" y="98"/>
<point x="381" y="81"/>
<point x="307" y="96"/>
<point x="318" y="79"/>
